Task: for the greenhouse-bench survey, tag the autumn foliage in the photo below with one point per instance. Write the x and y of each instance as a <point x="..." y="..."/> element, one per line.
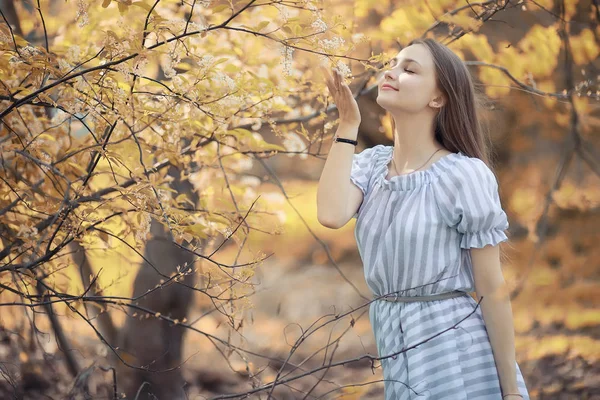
<point x="148" y="149"/>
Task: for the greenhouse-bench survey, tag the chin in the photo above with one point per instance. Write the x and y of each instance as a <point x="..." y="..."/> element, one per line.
<point x="397" y="104"/>
<point x="388" y="103"/>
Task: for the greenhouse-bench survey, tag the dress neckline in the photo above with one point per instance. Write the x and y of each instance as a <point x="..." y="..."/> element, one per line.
<point x="415" y="178"/>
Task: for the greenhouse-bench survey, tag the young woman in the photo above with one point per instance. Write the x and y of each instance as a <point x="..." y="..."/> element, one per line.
<point x="428" y="225"/>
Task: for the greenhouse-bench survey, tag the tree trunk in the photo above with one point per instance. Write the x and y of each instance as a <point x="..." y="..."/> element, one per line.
<point x="153" y="342"/>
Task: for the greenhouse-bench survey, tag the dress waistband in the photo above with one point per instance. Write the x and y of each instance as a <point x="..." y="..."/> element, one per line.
<point x="440" y="296"/>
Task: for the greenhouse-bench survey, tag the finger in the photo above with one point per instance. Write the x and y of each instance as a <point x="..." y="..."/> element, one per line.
<point x="348" y="90"/>
<point x="329" y="80"/>
<point x="337" y="79"/>
<point x="342" y="80"/>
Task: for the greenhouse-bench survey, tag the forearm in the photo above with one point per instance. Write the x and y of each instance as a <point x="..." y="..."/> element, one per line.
<point x="497" y="314"/>
<point x="334" y="184"/>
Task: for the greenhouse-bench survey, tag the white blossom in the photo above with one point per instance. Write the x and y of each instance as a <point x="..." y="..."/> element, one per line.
<point x="332" y="44"/>
<point x="80" y="83"/>
<point x="125" y="71"/>
<point x="249" y="194"/>
<point x="287" y="53"/>
<point x="257" y="125"/>
<point x="45" y="157"/>
<point x="169" y="71"/>
<point x="323" y="61"/>
<point x="64" y="66"/>
<point x="312" y="7"/>
<point x="358" y="37"/>
<point x="206" y="60"/>
<point x="58" y="117"/>
<point x="179" y="84"/>
<point x="173" y="58"/>
<point x="140" y="63"/>
<point x="29" y="51"/>
<point x="278" y="101"/>
<point x="27" y="232"/>
<point x="142" y="231"/>
<point x="257" y="136"/>
<point x="173" y="136"/>
<point x="4" y="38"/>
<point x="343" y="68"/>
<point x="82" y="13"/>
<point x="281" y="215"/>
<point x="14" y="62"/>
<point x="263" y="71"/>
<point x="164" y="196"/>
<point x="328" y="126"/>
<point x="226" y="79"/>
<point x="243" y="164"/>
<point x="294" y="143"/>
<point x="319" y="25"/>
<point x="249" y="180"/>
<point x="231" y="101"/>
<point x="283" y="12"/>
<point x="197" y="26"/>
<point x="73" y="54"/>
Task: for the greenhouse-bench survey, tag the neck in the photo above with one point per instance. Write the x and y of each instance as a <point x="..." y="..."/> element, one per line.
<point x="414" y="140"/>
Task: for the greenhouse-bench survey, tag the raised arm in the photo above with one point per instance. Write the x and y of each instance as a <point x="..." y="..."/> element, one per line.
<point x="338" y="198"/>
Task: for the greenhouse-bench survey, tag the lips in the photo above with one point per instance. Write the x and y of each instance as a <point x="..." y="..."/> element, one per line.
<point x="388" y="86"/>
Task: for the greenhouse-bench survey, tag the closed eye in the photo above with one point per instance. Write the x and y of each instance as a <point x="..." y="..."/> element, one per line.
<point x="392" y="64"/>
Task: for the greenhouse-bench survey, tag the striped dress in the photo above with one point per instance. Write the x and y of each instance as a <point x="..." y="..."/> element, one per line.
<point x="413" y="233"/>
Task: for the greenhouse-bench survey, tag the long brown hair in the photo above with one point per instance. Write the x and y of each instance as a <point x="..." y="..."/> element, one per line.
<point x="458" y="125"/>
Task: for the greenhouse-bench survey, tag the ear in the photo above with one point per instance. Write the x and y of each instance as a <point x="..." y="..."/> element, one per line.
<point x="437" y="102"/>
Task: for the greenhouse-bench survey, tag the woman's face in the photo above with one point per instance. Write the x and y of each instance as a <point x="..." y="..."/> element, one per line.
<point x="412" y="73"/>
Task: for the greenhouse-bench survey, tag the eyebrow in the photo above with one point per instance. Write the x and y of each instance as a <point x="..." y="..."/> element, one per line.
<point x="406" y="59"/>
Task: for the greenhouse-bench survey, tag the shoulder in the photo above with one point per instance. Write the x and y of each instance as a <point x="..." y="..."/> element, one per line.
<point x="363" y="165"/>
<point x="466" y="183"/>
<point x="470" y="173"/>
<point x="468" y="198"/>
<point x="369" y="156"/>
<point x="371" y="152"/>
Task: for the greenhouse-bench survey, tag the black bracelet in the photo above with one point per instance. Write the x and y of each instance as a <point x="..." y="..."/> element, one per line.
<point x="339" y="139"/>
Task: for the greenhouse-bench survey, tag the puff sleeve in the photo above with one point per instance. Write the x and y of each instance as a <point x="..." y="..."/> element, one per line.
<point x="362" y="168"/>
<point x="469" y="200"/>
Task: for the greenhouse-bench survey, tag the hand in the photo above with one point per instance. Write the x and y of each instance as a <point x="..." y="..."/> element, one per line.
<point x="342" y="97"/>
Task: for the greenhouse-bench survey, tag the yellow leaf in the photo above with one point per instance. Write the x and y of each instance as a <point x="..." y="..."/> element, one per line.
<point x="124" y="86"/>
<point x="47" y="137"/>
<point x="143" y="5"/>
<point x="46" y="98"/>
<point x="220" y="8"/>
<point x="220" y="60"/>
<point x="197" y="230"/>
<point x="77" y="167"/>
<point x="106" y="3"/>
<point x="183" y="198"/>
<point x="261" y="26"/>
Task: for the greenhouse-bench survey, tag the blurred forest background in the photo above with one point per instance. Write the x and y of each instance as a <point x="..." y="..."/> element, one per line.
<point x="158" y="191"/>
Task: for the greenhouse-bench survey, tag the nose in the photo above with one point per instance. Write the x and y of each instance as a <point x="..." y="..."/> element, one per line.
<point x="387" y="75"/>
